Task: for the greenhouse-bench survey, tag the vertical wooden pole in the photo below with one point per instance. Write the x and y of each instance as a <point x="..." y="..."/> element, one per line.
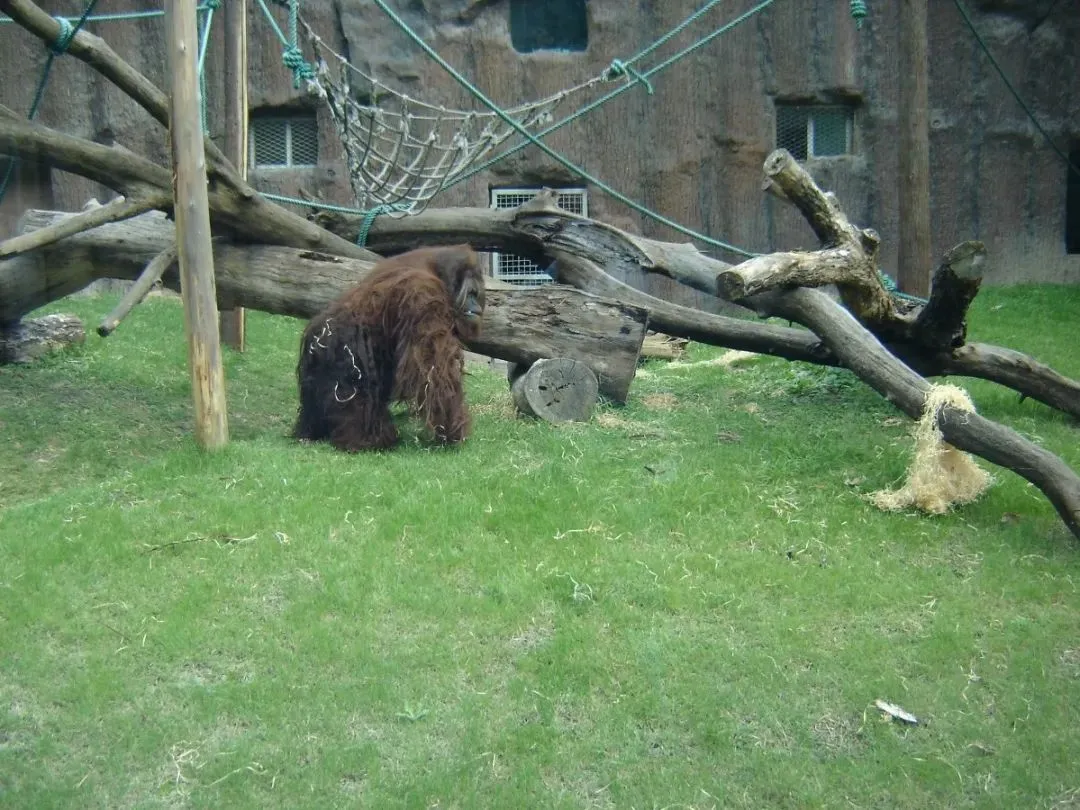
<point x="914" y="260"/>
<point x="236" y="142"/>
<point x="192" y="214"/>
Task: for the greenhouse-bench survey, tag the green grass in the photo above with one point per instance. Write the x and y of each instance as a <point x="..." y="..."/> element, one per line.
<point x="685" y="602"/>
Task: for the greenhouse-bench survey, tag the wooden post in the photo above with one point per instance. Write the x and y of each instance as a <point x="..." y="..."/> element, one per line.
<point x="192" y="214"/>
<point x="914" y="261"/>
<point x="236" y="135"/>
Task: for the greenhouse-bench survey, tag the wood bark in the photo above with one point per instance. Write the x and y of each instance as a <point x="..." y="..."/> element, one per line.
<point x="557" y="389"/>
<point x="192" y="207"/>
<point x="887" y="375"/>
<point x="33" y="338"/>
<point x="520" y="326"/>
<point x="234" y="204"/>
<point x="914" y="258"/>
<point x="236" y="144"/>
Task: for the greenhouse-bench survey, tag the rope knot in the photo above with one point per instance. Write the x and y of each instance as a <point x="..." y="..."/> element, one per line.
<point x="859" y="12"/>
<point x="294" y="60"/>
<point x="213" y="5"/>
<point x="619" y="68"/>
<point x="63" y="39"/>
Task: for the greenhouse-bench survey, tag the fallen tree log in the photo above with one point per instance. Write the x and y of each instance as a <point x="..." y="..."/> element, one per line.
<point x="887" y="375"/>
<point x="592" y="256"/>
<point x="520" y="326"/>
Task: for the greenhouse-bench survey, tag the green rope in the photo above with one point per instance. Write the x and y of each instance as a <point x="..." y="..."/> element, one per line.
<point x="967" y="18"/>
<point x="678" y="29"/>
<point x="369" y="219"/>
<point x="130" y="15"/>
<point x="57" y="48"/>
<point x="892" y="288"/>
<point x="204" y="42"/>
<point x="859" y="11"/>
<point x="547" y="150"/>
<point x="588" y="108"/>
<point x="292" y="56"/>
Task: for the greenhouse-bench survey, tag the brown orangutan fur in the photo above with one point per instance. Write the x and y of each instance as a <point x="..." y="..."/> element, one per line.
<point x="395" y="337"/>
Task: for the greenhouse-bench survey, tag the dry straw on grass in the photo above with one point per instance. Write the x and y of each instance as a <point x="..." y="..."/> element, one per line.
<point x="940" y="476"/>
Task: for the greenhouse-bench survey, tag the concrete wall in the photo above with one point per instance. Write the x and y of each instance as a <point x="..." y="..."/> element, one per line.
<point x="694" y="149"/>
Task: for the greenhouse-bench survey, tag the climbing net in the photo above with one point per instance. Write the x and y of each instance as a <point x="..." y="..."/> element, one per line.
<point x="402" y="151"/>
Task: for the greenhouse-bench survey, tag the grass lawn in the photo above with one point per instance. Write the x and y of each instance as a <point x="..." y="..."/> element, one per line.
<point x="685" y="602"/>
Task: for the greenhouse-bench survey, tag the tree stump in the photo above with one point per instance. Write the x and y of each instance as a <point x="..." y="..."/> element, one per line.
<point x="27" y="340"/>
<point x="556" y="390"/>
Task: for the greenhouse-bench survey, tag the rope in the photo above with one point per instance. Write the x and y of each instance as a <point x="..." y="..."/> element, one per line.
<point x="678" y="29"/>
<point x="967" y="19"/>
<point x="204" y="41"/>
<point x="57" y="48"/>
<point x="369" y="220"/>
<point x="612" y="95"/>
<point x="859" y="12"/>
<point x="130" y="15"/>
<point x="892" y="288"/>
<point x="547" y="150"/>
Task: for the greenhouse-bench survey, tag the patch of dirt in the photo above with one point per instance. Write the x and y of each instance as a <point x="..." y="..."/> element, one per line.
<point x="658" y="402"/>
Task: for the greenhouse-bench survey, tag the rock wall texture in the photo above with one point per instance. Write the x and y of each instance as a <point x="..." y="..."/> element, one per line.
<point x="693" y="149"/>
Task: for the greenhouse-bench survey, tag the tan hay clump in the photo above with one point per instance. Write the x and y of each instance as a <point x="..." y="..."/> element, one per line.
<point x="940" y="476"/>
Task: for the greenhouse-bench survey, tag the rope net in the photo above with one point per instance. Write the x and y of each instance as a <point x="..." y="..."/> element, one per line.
<point x="402" y="151"/>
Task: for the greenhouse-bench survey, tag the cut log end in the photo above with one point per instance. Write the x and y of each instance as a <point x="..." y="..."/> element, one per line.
<point x="556" y="390"/>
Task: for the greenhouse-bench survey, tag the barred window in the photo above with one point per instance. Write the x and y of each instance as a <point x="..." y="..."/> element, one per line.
<point x="284" y="141"/>
<point x="1072" y="203"/>
<point x="518" y="270"/>
<point x="548" y="25"/>
<point x="814" y="130"/>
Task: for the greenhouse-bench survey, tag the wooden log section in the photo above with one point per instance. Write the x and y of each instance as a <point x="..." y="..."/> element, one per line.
<point x="520" y="326"/>
<point x="33" y="338"/>
<point x="192" y="209"/>
<point x="556" y="390"/>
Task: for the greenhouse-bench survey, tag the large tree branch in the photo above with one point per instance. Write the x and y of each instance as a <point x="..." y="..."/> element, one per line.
<point x="881" y="370"/>
<point x="233" y="201"/>
<point x="96" y="53"/>
<point x="117" y="210"/>
<point x="136" y="177"/>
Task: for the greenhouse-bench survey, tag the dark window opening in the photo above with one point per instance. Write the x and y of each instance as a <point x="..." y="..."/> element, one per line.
<point x="1072" y="204"/>
<point x="284" y="139"/>
<point x="814" y="130"/>
<point x="548" y="25"/>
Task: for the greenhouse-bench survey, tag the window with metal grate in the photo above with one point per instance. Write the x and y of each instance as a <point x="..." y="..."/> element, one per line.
<point x="548" y="25"/>
<point x="814" y="130"/>
<point x="284" y="140"/>
<point x="1072" y="203"/>
<point x="518" y="270"/>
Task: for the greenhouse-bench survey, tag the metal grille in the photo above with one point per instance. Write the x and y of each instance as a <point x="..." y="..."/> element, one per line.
<point x="813" y="130"/>
<point x="518" y="270"/>
<point x="279" y="141"/>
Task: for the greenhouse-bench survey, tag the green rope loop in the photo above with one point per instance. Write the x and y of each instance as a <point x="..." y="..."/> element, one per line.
<point x="63" y="39"/>
<point x="213" y="5"/>
<point x="369" y="219"/>
<point x="294" y="60"/>
<point x="619" y="68"/>
<point x="859" y="12"/>
<point x="892" y="288"/>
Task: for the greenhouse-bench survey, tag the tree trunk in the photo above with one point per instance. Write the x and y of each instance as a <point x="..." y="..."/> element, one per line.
<point x="520" y="326"/>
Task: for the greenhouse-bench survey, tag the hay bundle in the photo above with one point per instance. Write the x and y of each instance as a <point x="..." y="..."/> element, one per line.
<point x="940" y="476"/>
